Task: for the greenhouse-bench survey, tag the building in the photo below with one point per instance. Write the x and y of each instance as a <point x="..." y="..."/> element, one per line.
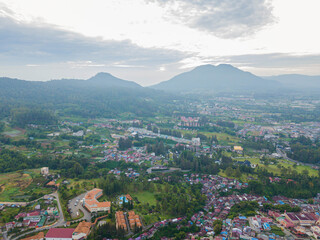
<point x="134" y="220"/>
<point x="304" y="219"/>
<point x="286" y="223"/>
<point x="60" y="234"/>
<point x="82" y="230"/>
<point x="129" y="197"/>
<point x="237" y="148"/>
<point x="44" y="171"/>
<point x="120" y="220"/>
<point x="39" y="236"/>
<point x="196" y="141"/>
<point x="92" y="204"/>
<point x="292" y="217"/>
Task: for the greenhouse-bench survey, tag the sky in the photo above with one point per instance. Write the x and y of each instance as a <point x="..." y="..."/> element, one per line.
<point x="149" y="41"/>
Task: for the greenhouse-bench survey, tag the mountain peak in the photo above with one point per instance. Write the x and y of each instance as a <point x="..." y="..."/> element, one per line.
<point x="223" y="77"/>
<point x="102" y="76"/>
<point x="105" y="79"/>
<point x="224" y="65"/>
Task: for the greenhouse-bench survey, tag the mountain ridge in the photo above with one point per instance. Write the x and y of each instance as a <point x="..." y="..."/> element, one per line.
<point x="223" y="77"/>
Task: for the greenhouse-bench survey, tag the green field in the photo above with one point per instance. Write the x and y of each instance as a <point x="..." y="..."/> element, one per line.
<point x="21" y="185"/>
<point x="145" y="197"/>
<point x="223" y="138"/>
<point x="285" y="163"/>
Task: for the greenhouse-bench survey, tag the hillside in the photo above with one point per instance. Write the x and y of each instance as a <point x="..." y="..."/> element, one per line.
<point x="297" y="81"/>
<point x="102" y="95"/>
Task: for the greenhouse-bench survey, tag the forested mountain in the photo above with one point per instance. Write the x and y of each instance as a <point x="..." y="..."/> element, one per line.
<point x="102" y="95"/>
<point x="209" y="78"/>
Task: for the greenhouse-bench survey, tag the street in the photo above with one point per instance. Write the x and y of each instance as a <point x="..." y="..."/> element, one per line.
<point x="61" y="221"/>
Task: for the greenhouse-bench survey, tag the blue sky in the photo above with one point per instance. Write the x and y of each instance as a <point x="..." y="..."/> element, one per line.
<point x="149" y="41"/>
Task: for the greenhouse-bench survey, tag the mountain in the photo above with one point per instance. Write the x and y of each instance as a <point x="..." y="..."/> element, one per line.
<point x="100" y="80"/>
<point x="209" y="78"/>
<point x="297" y="81"/>
<point x="102" y="95"/>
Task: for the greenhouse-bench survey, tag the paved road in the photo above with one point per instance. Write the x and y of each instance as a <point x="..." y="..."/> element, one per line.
<point x="75" y="205"/>
<point x="61" y="221"/>
<point x="284" y="155"/>
<point x="127" y="222"/>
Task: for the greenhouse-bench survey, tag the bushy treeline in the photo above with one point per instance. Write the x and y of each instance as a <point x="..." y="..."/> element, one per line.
<point x="106" y="231"/>
<point x="13" y="161"/>
<point x="258" y="144"/>
<point x="245" y="208"/>
<point x="21" y="142"/>
<point x="173" y="231"/>
<point x="202" y="164"/>
<point x="23" y="116"/>
<point x="125" y="143"/>
<point x="69" y="167"/>
<point x="70" y="98"/>
<point x="172" y="199"/>
<point x="280" y="207"/>
<point x="158" y="148"/>
<point x="304" y="150"/>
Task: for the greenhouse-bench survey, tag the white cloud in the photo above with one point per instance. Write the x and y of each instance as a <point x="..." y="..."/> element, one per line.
<point x="134" y="34"/>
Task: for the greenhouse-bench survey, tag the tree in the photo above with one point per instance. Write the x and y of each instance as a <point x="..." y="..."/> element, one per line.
<point x="77" y="169"/>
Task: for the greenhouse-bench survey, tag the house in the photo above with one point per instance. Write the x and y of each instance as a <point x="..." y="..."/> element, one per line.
<point x="92" y="204"/>
<point x="44" y="171"/>
<point x="60" y="234"/>
<point x="286" y="223"/>
<point x="39" y="236"/>
<point x="10" y="225"/>
<point x="82" y="230"/>
<point x="237" y="149"/>
<point x="196" y="141"/>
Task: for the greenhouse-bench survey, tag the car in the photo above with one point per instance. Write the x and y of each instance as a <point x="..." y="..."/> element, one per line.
<point x="76" y="204"/>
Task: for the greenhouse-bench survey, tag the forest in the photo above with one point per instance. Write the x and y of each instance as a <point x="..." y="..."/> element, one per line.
<point x="304" y="150"/>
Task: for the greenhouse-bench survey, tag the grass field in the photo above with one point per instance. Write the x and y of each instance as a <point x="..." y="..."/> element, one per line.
<point x="285" y="163"/>
<point x="223" y="138"/>
<point x="145" y="197"/>
<point x="18" y="186"/>
<point x="12" y="184"/>
<point x="16" y="133"/>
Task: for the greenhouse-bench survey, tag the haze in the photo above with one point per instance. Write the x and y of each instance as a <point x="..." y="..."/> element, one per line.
<point x="150" y="41"/>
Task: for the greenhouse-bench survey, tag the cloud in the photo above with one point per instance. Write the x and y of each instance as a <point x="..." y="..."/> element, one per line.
<point x="39" y="43"/>
<point x="223" y="18"/>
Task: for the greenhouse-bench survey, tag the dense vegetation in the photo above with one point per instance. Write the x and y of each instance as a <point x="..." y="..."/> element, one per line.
<point x="175" y="231"/>
<point x="23" y="116"/>
<point x="304" y="150"/>
<point x="244" y="208"/>
<point x="173" y="200"/>
<point x="202" y="164"/>
<point x="80" y="98"/>
<point x="105" y="231"/>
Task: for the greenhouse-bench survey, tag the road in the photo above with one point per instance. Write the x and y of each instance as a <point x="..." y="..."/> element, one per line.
<point x="284" y="155"/>
<point x="128" y="225"/>
<point x="61" y="221"/>
<point x="75" y="206"/>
